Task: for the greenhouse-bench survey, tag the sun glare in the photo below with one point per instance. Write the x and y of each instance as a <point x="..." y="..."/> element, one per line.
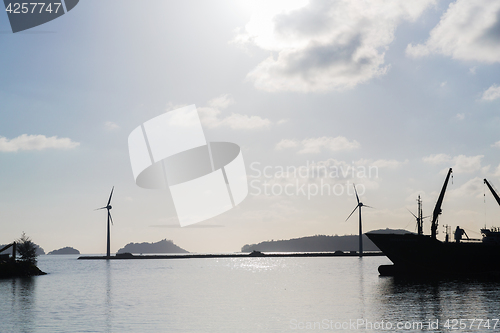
<point x="260" y="28"/>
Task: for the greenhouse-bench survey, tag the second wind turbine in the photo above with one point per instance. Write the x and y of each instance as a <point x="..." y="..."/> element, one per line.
<point x="360" y="204"/>
<point x="108" y="207"/>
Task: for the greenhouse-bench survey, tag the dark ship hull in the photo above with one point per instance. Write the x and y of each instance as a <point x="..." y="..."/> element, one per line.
<point x="421" y="255"/>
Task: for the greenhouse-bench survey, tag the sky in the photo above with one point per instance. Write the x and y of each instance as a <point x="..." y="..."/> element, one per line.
<point x="319" y="95"/>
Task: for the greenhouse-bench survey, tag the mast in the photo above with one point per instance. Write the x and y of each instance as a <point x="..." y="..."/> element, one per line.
<point x="495" y="195"/>
<point x="419" y="218"/>
<point x="437" y="209"/>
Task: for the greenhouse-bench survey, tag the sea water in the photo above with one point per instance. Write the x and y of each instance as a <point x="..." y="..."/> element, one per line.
<point x="259" y="294"/>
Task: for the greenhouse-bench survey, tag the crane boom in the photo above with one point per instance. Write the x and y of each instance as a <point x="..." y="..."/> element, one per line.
<point x="437" y="209"/>
<point x="495" y="195"/>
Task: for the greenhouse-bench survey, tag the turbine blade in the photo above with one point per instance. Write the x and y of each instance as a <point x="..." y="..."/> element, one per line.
<point x="100" y="208"/>
<point x="109" y="201"/>
<point x="368" y="206"/>
<point x="352" y="213"/>
<point x="357" y="198"/>
<point x="110" y="218"/>
<point x="412" y="213"/>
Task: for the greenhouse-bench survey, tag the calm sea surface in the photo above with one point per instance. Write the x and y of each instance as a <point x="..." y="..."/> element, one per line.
<point x="239" y="295"/>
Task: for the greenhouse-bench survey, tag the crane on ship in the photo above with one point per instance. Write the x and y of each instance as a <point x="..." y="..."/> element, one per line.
<point x="439" y="203"/>
<point x="495" y="195"/>
<point x="491" y="235"/>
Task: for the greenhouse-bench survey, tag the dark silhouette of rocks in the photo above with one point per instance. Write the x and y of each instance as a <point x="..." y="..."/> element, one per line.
<point x="163" y="246"/>
<point x="65" y="250"/>
<point x="256" y="254"/>
<point x="13" y="268"/>
<point x="19" y="258"/>
<point x="318" y="243"/>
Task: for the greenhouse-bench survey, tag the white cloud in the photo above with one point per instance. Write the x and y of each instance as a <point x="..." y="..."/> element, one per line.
<point x="285" y="143"/>
<point x="472" y="70"/>
<point x="412" y="197"/>
<point x="459" y="164"/>
<point x="324" y="45"/>
<point x="443" y="83"/>
<point x="471" y="188"/>
<point x="469" y="30"/>
<point x="460" y="116"/>
<point x="221" y="102"/>
<point x="491" y="93"/>
<point x="35" y="142"/>
<point x="171" y="106"/>
<point x="467" y="164"/>
<point x="283" y="121"/>
<point x="240" y="121"/>
<point x="496" y="144"/>
<point x="210" y="116"/>
<point x="110" y="126"/>
<point x="315" y="145"/>
<point x="437" y="159"/>
<point x="390" y="164"/>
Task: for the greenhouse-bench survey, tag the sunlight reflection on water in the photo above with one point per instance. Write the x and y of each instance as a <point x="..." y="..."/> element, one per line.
<point x="226" y="295"/>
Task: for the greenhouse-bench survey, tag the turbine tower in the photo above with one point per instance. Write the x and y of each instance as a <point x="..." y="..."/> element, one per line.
<point x="108" y="207"/>
<point x="360" y="204"/>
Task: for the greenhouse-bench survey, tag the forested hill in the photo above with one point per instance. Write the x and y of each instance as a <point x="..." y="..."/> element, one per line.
<point x="318" y="243"/>
<point x="163" y="246"/>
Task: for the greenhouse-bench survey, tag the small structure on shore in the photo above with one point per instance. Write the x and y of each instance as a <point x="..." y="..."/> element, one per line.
<point x="10" y="266"/>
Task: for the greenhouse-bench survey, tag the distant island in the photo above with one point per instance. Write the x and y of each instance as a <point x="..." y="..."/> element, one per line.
<point x="318" y="243"/>
<point x="163" y="246"/>
<point x="39" y="250"/>
<point x="65" y="250"/>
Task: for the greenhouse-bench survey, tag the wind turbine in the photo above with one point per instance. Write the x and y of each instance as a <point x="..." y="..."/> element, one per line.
<point x="360" y="204"/>
<point x="108" y="207"/>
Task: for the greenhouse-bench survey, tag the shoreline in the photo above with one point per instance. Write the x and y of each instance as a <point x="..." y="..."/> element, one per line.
<point x="125" y="256"/>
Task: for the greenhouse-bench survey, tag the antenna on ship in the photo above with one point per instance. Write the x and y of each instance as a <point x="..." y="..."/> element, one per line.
<point x="108" y="207"/>
<point x="360" y="204"/>
<point x="447" y="231"/>
<point x="419" y="218"/>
